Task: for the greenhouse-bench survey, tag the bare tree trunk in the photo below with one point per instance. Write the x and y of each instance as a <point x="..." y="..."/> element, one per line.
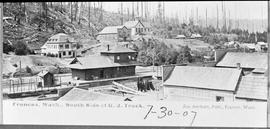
<point x="95" y="9"/>
<point x="89" y="14"/>
<point x="70" y="8"/>
<point x="101" y="13"/>
<point x="133" y="17"/>
<point x="61" y="5"/>
<point x="79" y="12"/>
<point x="122" y="18"/>
<point x="25" y="13"/>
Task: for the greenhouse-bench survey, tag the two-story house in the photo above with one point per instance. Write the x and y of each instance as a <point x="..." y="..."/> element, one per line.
<point x="114" y="62"/>
<point x="129" y="31"/>
<point x="60" y="45"/>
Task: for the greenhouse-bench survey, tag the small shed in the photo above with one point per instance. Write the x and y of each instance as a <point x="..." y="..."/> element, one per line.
<point x="180" y="37"/>
<point x="47" y="79"/>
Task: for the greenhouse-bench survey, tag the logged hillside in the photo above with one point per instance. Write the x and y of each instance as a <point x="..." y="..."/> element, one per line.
<point x="33" y="23"/>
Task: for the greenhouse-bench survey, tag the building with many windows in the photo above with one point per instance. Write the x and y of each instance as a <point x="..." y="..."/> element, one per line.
<point x="60" y="45"/>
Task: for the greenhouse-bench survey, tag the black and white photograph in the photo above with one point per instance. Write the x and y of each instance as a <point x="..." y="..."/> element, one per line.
<point x="135" y="63"/>
<point x="135" y="51"/>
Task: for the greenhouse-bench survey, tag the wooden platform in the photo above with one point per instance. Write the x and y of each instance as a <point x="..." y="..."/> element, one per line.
<point x="18" y="91"/>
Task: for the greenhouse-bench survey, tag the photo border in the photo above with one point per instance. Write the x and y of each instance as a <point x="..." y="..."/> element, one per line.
<point x="116" y="127"/>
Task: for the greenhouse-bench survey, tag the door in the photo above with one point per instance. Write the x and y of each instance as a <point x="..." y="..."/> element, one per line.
<point x="101" y="75"/>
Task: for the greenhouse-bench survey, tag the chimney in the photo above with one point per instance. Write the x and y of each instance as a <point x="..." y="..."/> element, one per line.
<point x="238" y="65"/>
<point x="108" y="46"/>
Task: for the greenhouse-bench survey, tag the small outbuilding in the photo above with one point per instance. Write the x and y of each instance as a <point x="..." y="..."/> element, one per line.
<point x="47" y="79"/>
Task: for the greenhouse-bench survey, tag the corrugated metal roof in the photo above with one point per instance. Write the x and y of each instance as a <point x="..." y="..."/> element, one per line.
<point x="96" y="61"/>
<point x="59" y="38"/>
<point x="110" y="30"/>
<point x="77" y="94"/>
<point x="252" y="87"/>
<point x="118" y="49"/>
<point x="247" y="60"/>
<point x="204" y="77"/>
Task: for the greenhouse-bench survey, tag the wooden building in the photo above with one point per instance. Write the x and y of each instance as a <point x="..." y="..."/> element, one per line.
<point x="60" y="45"/>
<point x="109" y="33"/>
<point x="130" y="30"/>
<point x="47" y="79"/>
<point x="112" y="63"/>
<point x="190" y="83"/>
<point x="247" y="61"/>
<point x="252" y="88"/>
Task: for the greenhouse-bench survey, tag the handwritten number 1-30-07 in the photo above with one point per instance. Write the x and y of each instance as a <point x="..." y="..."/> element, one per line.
<point x="165" y="112"/>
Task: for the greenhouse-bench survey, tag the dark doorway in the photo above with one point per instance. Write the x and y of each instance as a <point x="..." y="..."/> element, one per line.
<point x="60" y="55"/>
<point x="101" y="74"/>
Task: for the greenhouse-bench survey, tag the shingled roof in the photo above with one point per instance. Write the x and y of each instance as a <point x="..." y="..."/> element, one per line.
<point x="252" y="87"/>
<point x="60" y="38"/>
<point x="77" y="94"/>
<point x="110" y="30"/>
<point x="225" y="79"/>
<point x="96" y="61"/>
<point x="131" y="24"/>
<point x="246" y="60"/>
<point x="118" y="49"/>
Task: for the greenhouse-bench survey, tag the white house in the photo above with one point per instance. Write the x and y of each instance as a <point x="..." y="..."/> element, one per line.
<point x="138" y="27"/>
<point x="191" y="83"/>
<point x="60" y="45"/>
<point x="109" y="33"/>
<point x="133" y="28"/>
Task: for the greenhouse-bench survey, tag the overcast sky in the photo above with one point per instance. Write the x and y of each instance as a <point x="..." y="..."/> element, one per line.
<point x="238" y="9"/>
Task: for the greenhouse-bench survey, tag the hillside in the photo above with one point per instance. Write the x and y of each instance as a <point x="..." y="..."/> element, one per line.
<point x="27" y="22"/>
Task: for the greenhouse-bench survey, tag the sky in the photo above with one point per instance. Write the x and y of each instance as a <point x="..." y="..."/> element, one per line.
<point x="238" y="9"/>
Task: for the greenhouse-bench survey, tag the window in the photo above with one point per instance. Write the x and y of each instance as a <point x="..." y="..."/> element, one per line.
<point x="64" y="53"/>
<point x="74" y="45"/>
<point x="67" y="46"/>
<point x="129" y="57"/>
<point x="61" y="46"/>
<point x="219" y="99"/>
<point x="118" y="57"/>
<point x="69" y="53"/>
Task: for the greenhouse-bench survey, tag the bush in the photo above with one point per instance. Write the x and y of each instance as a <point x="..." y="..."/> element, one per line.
<point x="21" y="48"/>
<point x="8" y="48"/>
